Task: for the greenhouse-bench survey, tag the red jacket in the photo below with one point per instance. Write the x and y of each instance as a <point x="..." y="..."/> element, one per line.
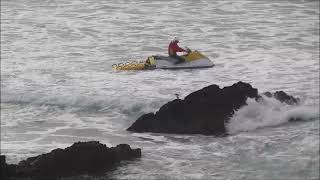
<point x="174" y="48"/>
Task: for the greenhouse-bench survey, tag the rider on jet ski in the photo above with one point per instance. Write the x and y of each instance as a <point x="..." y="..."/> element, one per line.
<point x="174" y="48"/>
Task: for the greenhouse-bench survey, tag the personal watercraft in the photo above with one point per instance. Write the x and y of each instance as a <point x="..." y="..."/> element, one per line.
<point x="194" y="59"/>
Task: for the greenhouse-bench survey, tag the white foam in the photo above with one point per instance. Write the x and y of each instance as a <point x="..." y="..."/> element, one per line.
<point x="268" y="112"/>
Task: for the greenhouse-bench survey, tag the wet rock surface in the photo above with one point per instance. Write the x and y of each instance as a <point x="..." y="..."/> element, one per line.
<point x="205" y="111"/>
<point x="80" y="158"/>
<point x="283" y="97"/>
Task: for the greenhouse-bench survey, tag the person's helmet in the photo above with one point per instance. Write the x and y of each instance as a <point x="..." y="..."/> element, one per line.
<point x="175" y="39"/>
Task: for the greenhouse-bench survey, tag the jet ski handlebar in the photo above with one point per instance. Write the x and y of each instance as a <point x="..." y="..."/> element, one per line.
<point x="188" y="49"/>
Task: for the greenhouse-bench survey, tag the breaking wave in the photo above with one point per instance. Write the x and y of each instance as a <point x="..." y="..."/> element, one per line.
<point x="268" y="112"/>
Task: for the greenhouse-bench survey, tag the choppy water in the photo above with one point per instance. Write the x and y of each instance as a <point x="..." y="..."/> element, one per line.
<point x="57" y="86"/>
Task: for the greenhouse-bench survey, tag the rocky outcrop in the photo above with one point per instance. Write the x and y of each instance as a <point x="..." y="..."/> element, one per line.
<point x="205" y="111"/>
<point x="283" y="97"/>
<point x="201" y="112"/>
<point x="80" y="158"/>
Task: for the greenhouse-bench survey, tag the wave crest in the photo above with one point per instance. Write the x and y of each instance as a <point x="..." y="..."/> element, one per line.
<point x="268" y="112"/>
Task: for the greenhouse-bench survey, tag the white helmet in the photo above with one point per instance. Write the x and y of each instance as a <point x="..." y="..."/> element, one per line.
<point x="175" y="39"/>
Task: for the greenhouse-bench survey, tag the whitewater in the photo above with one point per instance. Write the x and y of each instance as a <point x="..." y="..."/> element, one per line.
<point x="58" y="86"/>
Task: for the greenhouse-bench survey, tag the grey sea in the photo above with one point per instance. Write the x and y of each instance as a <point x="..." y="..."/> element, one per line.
<point x="58" y="86"/>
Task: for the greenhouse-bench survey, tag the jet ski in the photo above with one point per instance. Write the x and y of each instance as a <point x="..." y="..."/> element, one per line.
<point x="193" y="59"/>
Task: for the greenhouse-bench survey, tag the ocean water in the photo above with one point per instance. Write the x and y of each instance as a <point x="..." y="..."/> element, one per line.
<point x="58" y="87"/>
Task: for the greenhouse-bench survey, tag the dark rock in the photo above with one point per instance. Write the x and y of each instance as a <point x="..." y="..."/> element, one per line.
<point x="202" y="112"/>
<point x="80" y="158"/>
<point x="283" y="97"/>
<point x="268" y="94"/>
<point x="144" y="123"/>
<point x="3" y="164"/>
<point x="205" y="111"/>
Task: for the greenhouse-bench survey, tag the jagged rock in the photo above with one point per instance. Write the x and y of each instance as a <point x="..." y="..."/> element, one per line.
<point x="202" y="112"/>
<point x="205" y="111"/>
<point x="283" y="97"/>
<point x="80" y="158"/>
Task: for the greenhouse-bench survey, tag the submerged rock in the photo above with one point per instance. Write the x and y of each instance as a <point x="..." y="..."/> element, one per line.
<point x="205" y="111"/>
<point x="80" y="158"/>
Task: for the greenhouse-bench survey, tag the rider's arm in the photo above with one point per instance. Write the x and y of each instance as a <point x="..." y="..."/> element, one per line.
<point x="179" y="49"/>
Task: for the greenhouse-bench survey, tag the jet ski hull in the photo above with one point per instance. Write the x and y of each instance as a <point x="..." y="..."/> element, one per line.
<point x="165" y="62"/>
<point x="193" y="60"/>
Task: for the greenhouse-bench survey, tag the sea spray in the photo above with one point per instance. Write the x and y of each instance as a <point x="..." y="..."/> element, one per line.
<point x="268" y="112"/>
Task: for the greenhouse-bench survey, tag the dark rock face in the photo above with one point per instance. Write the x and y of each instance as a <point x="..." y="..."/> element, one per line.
<point x="202" y="112"/>
<point x="80" y="158"/>
<point x="283" y="97"/>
